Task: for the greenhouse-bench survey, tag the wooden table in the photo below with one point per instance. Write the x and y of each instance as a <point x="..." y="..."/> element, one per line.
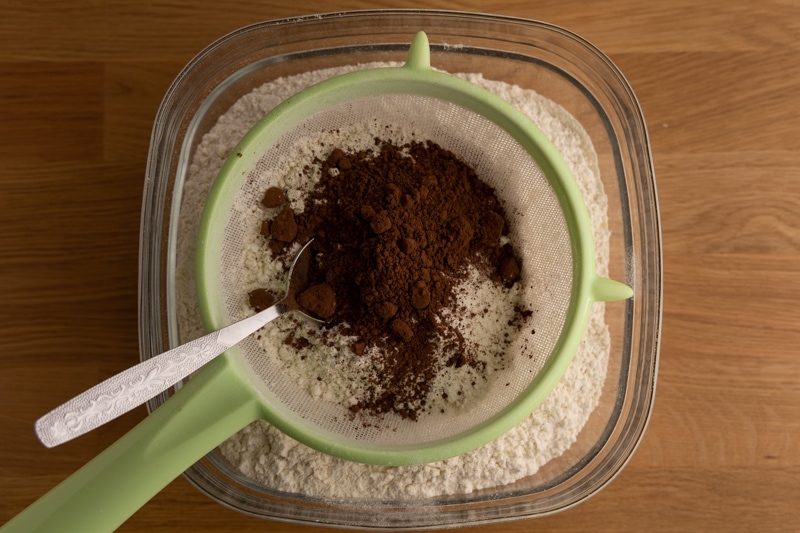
<point x="719" y="83"/>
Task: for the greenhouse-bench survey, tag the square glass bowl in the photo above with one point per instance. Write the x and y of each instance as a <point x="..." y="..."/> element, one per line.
<point x="550" y="60"/>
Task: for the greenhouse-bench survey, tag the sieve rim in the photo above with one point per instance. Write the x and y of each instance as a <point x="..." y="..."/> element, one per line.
<point x="414" y="78"/>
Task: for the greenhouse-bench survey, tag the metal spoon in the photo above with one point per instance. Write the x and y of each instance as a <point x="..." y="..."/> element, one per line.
<point x="134" y="386"/>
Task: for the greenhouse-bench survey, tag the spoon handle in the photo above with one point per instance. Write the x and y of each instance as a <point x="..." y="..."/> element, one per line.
<point x="132" y="387"/>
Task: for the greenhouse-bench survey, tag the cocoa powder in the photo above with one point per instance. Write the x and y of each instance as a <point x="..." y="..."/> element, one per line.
<point x="394" y="231"/>
<point x="274" y="197"/>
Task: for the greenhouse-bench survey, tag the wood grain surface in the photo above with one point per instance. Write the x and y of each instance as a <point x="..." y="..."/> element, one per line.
<point x="719" y="82"/>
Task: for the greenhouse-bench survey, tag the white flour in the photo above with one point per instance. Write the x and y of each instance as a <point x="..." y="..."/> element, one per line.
<point x="274" y="460"/>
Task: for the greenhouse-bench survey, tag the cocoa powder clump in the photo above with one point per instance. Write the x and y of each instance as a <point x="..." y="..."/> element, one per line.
<point x="319" y="299"/>
<point x="509" y="268"/>
<point x="274" y="197"/>
<point x="260" y="299"/>
<point x="283" y="226"/>
<point x="394" y="233"/>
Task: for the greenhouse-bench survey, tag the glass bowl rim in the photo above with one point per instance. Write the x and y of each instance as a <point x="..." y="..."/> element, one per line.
<point x="146" y="315"/>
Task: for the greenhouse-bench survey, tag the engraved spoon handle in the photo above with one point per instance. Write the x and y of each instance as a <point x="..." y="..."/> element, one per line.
<point x="132" y="387"/>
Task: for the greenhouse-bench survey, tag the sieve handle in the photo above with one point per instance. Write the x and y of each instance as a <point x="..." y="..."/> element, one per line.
<point x="216" y="403"/>
<point x="132" y="387"/>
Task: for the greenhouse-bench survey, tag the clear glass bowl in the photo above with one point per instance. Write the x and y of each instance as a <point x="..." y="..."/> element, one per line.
<point x="554" y="62"/>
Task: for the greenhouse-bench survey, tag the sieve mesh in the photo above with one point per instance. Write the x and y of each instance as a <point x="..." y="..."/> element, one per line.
<point x="538" y="231"/>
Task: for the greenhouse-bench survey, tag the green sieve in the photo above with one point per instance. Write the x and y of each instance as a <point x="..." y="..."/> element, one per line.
<point x="549" y="226"/>
<point x="550" y="229"/>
